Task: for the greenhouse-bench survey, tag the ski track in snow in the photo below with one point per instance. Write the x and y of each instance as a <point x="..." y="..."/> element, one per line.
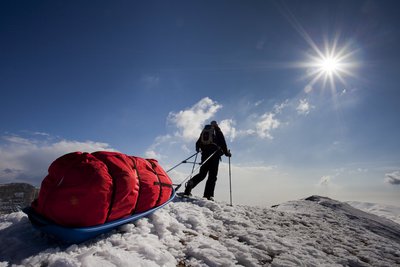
<point x="197" y="232"/>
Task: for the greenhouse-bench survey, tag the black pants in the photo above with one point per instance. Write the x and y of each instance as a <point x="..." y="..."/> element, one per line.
<point x="210" y="167"/>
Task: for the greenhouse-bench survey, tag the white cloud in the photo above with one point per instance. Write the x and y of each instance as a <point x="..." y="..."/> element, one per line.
<point x="244" y="133"/>
<point x="152" y="154"/>
<point x="325" y="180"/>
<point x="266" y="123"/>
<point x="259" y="102"/>
<point x="27" y="159"/>
<point x="17" y="140"/>
<point x="189" y="122"/>
<point x="263" y="125"/>
<point x="308" y="89"/>
<point x="185" y="128"/>
<point x="41" y="133"/>
<point x="228" y="128"/>
<point x="279" y="107"/>
<point x="303" y="107"/>
<point x="154" y="151"/>
<point x="393" y="178"/>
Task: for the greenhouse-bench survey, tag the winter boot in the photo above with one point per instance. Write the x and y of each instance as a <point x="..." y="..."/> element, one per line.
<point x="188" y="189"/>
<point x="210" y="198"/>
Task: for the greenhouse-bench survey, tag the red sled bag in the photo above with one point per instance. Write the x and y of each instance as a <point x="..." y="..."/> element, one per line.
<point x="85" y="189"/>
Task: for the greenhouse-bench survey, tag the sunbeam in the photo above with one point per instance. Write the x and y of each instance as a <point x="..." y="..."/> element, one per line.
<point x="330" y="62"/>
<point x="331" y="66"/>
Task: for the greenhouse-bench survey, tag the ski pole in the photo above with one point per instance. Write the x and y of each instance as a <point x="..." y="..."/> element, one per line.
<point x="198" y="167"/>
<point x="230" y="179"/>
<point x="184" y="161"/>
<point x="194" y="163"/>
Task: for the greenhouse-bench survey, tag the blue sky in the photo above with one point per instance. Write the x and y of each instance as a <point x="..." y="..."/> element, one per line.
<point x="305" y="91"/>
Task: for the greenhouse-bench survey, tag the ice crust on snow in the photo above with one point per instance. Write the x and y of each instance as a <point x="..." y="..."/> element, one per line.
<point x="315" y="231"/>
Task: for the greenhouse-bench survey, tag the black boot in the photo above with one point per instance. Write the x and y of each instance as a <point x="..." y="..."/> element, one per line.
<point x="188" y="189"/>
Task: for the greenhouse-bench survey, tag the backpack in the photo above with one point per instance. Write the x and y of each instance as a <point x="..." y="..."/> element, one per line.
<point x="207" y="136"/>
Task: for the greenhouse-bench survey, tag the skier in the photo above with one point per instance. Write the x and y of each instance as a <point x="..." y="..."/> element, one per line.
<point x="211" y="141"/>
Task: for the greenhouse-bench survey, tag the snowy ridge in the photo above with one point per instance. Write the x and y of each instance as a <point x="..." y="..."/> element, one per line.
<point x="388" y="211"/>
<point x="316" y="231"/>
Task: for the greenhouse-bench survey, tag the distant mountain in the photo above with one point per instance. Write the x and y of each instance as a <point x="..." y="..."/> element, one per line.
<point x="15" y="196"/>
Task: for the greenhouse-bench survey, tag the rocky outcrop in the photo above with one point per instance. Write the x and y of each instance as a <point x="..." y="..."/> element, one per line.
<point x="15" y="196"/>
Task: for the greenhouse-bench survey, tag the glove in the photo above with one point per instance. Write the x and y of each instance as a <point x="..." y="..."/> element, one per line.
<point x="228" y="153"/>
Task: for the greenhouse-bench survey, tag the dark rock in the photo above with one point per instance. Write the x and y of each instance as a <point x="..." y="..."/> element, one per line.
<point x="15" y="196"/>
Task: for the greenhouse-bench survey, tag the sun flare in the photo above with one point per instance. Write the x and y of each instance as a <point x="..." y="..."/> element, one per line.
<point x="330" y="60"/>
<point x="330" y="66"/>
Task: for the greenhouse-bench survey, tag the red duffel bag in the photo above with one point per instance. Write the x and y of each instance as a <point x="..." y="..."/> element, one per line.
<point x="85" y="189"/>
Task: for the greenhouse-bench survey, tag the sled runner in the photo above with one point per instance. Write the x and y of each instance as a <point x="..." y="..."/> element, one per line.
<point x="75" y="235"/>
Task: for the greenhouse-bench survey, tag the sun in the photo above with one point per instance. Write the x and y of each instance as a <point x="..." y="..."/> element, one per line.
<point x="330" y="60"/>
<point x="329" y="65"/>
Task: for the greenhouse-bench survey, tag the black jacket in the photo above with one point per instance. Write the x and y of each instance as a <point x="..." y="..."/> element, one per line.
<point x="219" y="144"/>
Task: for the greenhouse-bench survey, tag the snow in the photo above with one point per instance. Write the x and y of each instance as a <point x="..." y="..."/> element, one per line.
<point x="388" y="211"/>
<point x="316" y="231"/>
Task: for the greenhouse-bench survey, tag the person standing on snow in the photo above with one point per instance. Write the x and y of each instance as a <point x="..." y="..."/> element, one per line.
<point x="211" y="141"/>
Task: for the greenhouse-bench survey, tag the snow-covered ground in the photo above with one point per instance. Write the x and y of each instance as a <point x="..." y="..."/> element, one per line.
<point x="196" y="232"/>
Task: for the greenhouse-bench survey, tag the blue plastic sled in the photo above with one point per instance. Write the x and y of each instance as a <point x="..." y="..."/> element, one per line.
<point x="70" y="235"/>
